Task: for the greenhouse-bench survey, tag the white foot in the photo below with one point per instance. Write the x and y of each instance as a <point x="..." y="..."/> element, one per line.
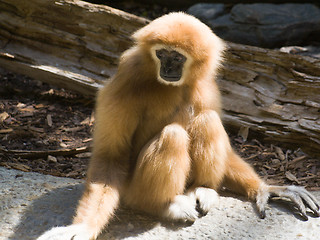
<point x="206" y="197"/>
<point x="182" y="208"/>
<point x="72" y="232"/>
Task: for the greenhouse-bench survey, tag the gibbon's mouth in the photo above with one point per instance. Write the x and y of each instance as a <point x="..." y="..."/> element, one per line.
<point x="171" y="78"/>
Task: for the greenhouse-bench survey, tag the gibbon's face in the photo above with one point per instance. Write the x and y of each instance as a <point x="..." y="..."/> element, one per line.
<point x="172" y="64"/>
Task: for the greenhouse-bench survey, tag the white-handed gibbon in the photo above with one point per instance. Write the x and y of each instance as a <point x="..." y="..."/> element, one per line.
<point x="159" y="144"/>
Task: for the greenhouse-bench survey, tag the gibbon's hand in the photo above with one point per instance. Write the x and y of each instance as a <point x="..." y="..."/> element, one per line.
<point x="72" y="232"/>
<point x="300" y="197"/>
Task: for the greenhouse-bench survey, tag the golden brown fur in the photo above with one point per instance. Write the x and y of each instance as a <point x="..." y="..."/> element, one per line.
<point x="153" y="140"/>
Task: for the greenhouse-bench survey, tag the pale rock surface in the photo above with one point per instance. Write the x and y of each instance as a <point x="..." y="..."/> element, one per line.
<point x="31" y="203"/>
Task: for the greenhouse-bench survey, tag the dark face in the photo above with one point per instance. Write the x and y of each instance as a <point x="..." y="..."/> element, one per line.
<point x="171" y="64"/>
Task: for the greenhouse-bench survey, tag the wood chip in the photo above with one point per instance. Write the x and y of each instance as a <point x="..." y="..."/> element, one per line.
<point x="49" y="120"/>
<point x="39" y="106"/>
<point x="296" y="160"/>
<point x="74" y="129"/>
<point x="87" y="140"/>
<point x="38" y="130"/>
<point x="280" y="153"/>
<point x="27" y="109"/>
<point x="26" y="114"/>
<point x="4" y="131"/>
<point x="291" y="177"/>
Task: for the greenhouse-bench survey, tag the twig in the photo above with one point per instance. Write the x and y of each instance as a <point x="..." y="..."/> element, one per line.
<point x="296" y="160"/>
<point x="42" y="154"/>
<point x="308" y="177"/>
<point x="252" y="156"/>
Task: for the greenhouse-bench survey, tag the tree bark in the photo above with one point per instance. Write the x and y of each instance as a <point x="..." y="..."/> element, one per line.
<point x="69" y="43"/>
<point x="275" y="94"/>
<point x="76" y="45"/>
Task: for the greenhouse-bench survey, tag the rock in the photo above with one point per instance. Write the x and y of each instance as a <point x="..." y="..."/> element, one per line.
<point x="31" y="203"/>
<point x="265" y="25"/>
<point x="205" y="11"/>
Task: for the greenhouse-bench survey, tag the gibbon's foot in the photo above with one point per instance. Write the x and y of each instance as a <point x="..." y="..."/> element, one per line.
<point x="72" y="232"/>
<point x="205" y="198"/>
<point x="300" y="197"/>
<point x="182" y="208"/>
<point x="185" y="207"/>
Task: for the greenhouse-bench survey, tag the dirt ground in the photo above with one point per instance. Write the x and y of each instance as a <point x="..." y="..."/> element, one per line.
<point x="48" y="130"/>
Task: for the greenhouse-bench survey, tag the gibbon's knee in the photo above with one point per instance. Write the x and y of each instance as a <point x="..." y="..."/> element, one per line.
<point x="161" y="171"/>
<point x="207" y="130"/>
<point x="173" y="137"/>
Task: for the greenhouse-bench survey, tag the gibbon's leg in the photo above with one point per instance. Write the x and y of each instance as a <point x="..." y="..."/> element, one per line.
<point x="160" y="177"/>
<point x="214" y="163"/>
<point x="209" y="147"/>
<point x="208" y="150"/>
<point x="241" y="177"/>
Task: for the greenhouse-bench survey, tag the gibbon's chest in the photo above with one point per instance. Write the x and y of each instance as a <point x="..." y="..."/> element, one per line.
<point x="154" y="115"/>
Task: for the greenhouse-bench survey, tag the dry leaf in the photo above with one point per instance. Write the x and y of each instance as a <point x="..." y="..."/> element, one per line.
<point x="63" y="145"/>
<point x="21" y="105"/>
<point x="86" y="121"/>
<point x="3" y="116"/>
<point x="52" y="159"/>
<point x="19" y="166"/>
<point x="291" y="177"/>
<point x="244" y="132"/>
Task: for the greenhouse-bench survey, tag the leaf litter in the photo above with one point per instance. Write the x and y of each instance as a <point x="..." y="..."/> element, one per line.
<point x="48" y="130"/>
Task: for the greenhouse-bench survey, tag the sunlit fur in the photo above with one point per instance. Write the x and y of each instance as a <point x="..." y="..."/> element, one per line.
<point x="156" y="143"/>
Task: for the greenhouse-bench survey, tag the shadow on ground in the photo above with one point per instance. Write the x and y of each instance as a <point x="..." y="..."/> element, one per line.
<point x="234" y="218"/>
<point x="57" y="207"/>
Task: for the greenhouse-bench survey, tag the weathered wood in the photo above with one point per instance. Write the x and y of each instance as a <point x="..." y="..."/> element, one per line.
<point x="273" y="93"/>
<point x="76" y="45"/>
<point x="59" y="41"/>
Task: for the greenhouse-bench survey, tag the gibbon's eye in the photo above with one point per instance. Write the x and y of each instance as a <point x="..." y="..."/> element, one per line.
<point x="161" y="53"/>
<point x="179" y="58"/>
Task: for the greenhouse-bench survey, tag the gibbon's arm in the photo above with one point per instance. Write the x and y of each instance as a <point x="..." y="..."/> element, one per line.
<point x="115" y="124"/>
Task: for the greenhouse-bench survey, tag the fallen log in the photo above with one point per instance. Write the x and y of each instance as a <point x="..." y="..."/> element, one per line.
<point x="76" y="45"/>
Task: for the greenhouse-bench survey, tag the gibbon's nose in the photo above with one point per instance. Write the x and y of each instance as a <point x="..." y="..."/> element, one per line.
<point x="168" y="67"/>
